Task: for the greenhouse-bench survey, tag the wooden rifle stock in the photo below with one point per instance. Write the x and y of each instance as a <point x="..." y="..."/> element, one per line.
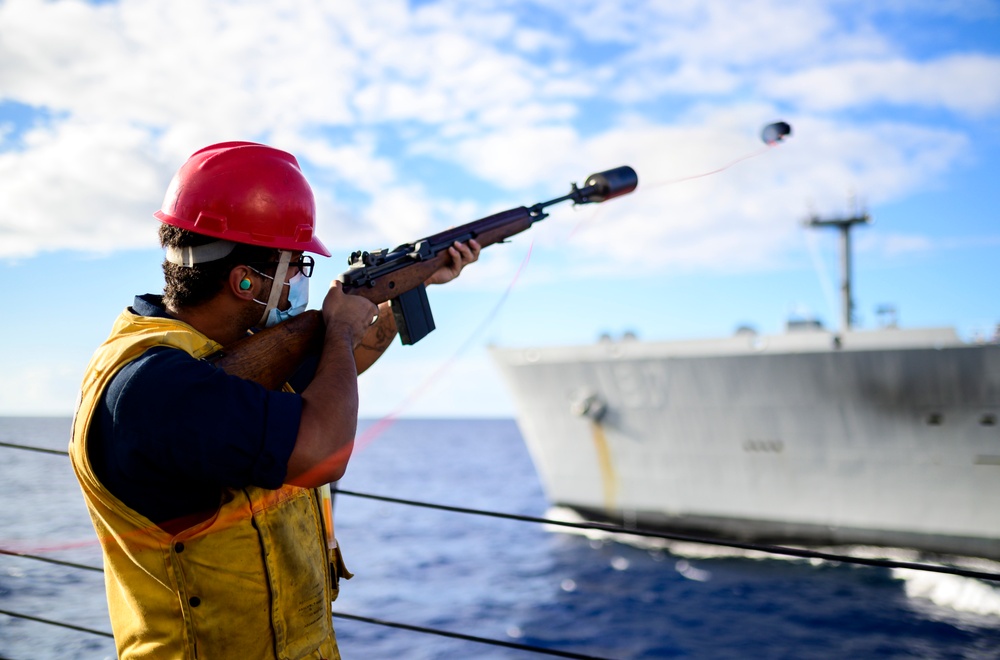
<point x="271" y="356"/>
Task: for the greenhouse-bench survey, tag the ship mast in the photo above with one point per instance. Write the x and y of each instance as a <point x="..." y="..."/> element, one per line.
<point x="844" y="225"/>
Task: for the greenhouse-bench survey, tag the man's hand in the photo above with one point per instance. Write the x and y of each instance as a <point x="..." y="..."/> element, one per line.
<point x="381" y="334"/>
<point x="352" y="315"/>
<point x="329" y="418"/>
<point x="462" y="254"/>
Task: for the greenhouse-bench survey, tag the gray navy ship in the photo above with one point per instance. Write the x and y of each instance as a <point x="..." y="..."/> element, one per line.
<point x="887" y="437"/>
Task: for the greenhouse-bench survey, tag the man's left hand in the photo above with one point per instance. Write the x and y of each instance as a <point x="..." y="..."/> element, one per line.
<point x="462" y="254"/>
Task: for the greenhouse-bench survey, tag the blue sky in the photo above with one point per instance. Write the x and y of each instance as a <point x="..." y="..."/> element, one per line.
<point x="412" y="117"/>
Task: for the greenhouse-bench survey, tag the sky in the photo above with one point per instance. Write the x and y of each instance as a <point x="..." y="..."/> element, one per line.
<point x="412" y="117"/>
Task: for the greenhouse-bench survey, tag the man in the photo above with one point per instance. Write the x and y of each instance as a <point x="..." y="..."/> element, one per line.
<point x="209" y="492"/>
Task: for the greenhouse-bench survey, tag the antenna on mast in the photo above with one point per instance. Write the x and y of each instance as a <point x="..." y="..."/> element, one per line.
<point x="844" y="225"/>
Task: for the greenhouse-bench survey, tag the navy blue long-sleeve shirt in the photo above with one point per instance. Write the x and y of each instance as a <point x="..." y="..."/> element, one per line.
<point x="172" y="432"/>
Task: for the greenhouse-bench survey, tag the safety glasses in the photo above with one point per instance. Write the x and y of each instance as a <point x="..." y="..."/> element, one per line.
<point x="304" y="264"/>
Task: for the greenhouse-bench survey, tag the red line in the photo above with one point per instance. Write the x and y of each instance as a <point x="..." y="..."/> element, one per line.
<point x="389" y="419"/>
<point x="748" y="156"/>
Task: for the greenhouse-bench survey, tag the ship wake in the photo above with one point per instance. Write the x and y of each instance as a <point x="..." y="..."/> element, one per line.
<point x="953" y="592"/>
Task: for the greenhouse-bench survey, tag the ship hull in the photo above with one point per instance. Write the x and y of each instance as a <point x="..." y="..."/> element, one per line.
<point x="887" y="438"/>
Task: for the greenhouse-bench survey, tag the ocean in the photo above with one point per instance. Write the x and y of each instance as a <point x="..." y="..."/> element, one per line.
<point x="508" y="580"/>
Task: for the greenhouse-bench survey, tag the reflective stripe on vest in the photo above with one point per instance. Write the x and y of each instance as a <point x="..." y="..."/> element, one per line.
<point x="254" y="581"/>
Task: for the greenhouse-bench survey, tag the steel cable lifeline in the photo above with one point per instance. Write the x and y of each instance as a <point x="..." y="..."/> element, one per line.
<point x="339" y="615"/>
<point x="471" y="638"/>
<point x="782" y="550"/>
<point x="351" y="617"/>
<point x="336" y="615"/>
<point x="61" y="624"/>
<point x="770" y="549"/>
<point x="617" y="529"/>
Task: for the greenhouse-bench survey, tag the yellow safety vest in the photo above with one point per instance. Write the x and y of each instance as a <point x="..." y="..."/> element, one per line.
<point x="254" y="581"/>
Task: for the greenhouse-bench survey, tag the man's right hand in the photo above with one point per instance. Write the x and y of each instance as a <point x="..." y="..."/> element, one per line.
<point x="351" y="315"/>
<point x="329" y="418"/>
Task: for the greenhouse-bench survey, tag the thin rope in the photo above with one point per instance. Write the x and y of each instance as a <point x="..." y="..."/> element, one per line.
<point x="590" y="219"/>
<point x="752" y="154"/>
<point x="389" y="419"/>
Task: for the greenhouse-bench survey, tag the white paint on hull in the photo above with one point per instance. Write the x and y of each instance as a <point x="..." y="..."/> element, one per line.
<point x="865" y="437"/>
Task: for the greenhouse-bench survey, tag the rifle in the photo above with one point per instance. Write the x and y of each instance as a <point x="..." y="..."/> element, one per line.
<point x="271" y="356"/>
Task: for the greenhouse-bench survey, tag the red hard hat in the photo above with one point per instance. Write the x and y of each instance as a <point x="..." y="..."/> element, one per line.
<point x="246" y="193"/>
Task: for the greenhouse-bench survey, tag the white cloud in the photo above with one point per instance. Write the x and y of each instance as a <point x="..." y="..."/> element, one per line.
<point x="961" y="83"/>
<point x="507" y="91"/>
<point x="718" y="34"/>
<point x="80" y="185"/>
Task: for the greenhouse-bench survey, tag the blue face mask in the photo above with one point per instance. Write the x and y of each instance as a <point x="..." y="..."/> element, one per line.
<point x="298" y="298"/>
